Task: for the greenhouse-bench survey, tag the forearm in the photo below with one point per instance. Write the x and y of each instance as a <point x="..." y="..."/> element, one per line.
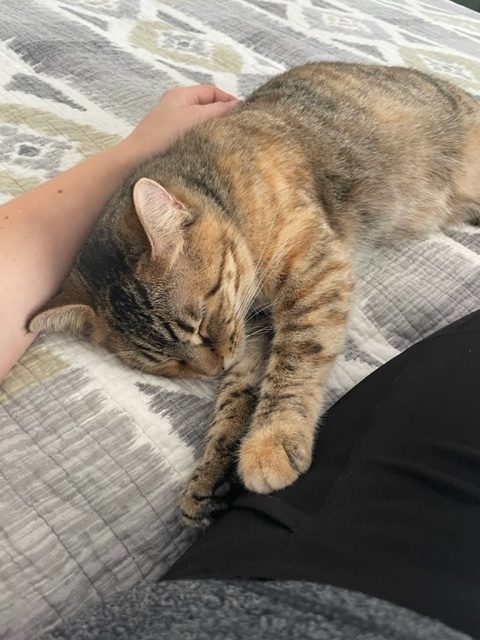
<point x="42" y="231"/>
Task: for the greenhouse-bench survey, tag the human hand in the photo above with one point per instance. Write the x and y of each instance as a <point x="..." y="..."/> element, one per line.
<point x="177" y="110"/>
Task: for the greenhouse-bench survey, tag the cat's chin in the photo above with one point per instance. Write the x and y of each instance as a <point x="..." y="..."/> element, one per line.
<point x="187" y="372"/>
<point x="191" y="374"/>
<point x="185" y="376"/>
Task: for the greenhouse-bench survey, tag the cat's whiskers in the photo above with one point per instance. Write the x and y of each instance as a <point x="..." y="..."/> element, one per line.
<point x="258" y="310"/>
<point x="253" y="288"/>
<point x="258" y="332"/>
<point x="125" y="352"/>
<point x="267" y="271"/>
<point x="142" y="370"/>
<point x="128" y="352"/>
<point x="257" y="282"/>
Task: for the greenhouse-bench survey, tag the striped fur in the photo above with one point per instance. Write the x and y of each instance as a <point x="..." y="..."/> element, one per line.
<point x="264" y="209"/>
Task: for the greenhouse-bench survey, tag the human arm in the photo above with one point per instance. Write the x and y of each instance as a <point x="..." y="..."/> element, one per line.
<point x="42" y="230"/>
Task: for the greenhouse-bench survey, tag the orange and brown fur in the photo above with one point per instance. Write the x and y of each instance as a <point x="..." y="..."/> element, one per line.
<point x="262" y="210"/>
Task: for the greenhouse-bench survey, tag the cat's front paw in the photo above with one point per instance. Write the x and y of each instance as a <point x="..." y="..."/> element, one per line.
<point x="273" y="457"/>
<point x="202" y="498"/>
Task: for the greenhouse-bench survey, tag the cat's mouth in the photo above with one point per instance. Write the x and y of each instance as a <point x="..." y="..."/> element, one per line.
<point x="217" y="362"/>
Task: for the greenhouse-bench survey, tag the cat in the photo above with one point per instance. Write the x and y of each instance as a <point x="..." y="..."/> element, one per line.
<point x="258" y="214"/>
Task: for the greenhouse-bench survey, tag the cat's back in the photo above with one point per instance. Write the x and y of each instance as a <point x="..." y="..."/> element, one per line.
<point x="375" y="138"/>
<point x="372" y="143"/>
<point x="381" y="93"/>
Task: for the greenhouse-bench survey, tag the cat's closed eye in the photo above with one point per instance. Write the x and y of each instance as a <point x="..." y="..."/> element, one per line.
<point x="148" y="355"/>
<point x="207" y="341"/>
<point x="203" y="332"/>
<point x="186" y="326"/>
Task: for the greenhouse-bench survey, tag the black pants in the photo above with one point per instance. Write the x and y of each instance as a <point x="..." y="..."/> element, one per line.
<point x="391" y="505"/>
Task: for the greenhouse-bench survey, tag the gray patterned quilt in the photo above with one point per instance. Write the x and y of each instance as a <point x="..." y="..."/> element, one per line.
<point x="93" y="455"/>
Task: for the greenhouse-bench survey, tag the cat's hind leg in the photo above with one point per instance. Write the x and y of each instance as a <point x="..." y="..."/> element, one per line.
<point x="466" y="183"/>
<point x="206" y="489"/>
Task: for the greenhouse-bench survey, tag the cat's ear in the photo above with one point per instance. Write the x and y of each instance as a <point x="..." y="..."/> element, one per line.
<point x="162" y="217"/>
<point x="67" y="318"/>
<point x="69" y="312"/>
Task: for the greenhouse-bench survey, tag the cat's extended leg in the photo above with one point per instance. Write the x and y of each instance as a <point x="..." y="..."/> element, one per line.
<point x="233" y="410"/>
<point x="312" y="299"/>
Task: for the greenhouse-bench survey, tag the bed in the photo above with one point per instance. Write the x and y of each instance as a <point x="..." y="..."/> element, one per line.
<point x="93" y="456"/>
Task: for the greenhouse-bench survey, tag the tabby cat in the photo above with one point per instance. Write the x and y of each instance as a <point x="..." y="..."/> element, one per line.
<point x="262" y="211"/>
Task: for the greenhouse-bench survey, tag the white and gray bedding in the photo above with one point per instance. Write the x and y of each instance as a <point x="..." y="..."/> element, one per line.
<point x="93" y="455"/>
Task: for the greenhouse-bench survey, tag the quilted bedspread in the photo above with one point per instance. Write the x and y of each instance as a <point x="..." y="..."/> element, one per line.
<point x="93" y="455"/>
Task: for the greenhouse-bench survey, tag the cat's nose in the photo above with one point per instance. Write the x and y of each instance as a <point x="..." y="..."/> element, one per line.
<point x="227" y="354"/>
<point x="227" y="359"/>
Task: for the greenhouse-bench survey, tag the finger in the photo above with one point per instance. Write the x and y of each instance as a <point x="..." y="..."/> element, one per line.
<point x="207" y="94"/>
<point x="217" y="109"/>
<point x="223" y="96"/>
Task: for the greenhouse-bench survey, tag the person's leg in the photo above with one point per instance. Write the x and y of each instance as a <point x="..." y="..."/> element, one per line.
<point x="391" y="505"/>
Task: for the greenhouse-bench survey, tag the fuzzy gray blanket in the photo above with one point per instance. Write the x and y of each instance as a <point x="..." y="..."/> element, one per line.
<point x="218" y="610"/>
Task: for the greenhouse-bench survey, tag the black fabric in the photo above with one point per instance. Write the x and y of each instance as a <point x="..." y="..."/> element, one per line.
<point x="391" y="504"/>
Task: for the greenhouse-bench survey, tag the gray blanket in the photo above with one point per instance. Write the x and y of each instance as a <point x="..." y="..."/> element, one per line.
<point x="247" y="609"/>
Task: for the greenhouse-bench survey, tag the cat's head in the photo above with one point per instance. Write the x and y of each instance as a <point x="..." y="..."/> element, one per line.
<point x="166" y="289"/>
